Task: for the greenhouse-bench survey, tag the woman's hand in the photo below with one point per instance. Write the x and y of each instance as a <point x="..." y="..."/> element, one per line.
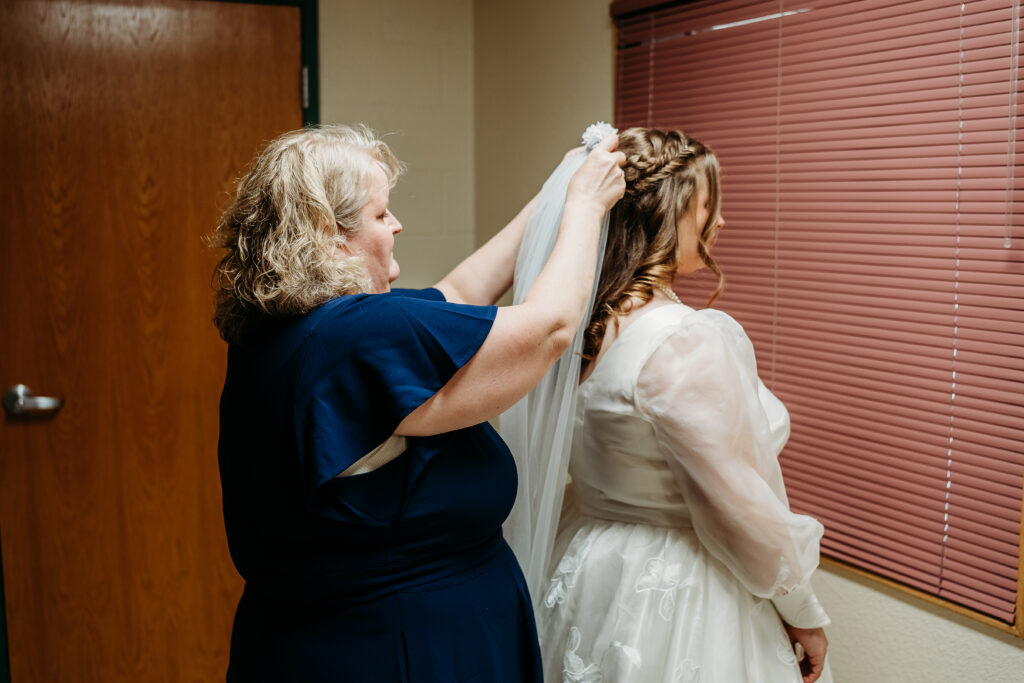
<point x="814" y="644"/>
<point x="599" y="182"/>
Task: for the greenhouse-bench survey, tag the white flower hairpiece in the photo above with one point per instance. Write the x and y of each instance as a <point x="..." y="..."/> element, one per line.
<point x="596" y="132"/>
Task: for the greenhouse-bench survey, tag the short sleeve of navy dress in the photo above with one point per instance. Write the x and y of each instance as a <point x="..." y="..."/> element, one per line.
<point x="397" y="574"/>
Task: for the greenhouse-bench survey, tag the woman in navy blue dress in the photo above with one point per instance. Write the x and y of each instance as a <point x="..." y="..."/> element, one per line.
<point x="363" y="489"/>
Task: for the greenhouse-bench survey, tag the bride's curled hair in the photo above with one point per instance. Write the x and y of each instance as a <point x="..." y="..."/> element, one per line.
<point x="664" y="170"/>
<point x="299" y="201"/>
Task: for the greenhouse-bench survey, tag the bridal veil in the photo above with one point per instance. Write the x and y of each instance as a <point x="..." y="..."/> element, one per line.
<point x="538" y="429"/>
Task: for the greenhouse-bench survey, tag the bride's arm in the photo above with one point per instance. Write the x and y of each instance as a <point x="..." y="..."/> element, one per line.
<point x="700" y="391"/>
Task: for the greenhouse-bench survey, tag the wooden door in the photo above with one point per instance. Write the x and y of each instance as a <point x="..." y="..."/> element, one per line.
<point x="124" y="125"/>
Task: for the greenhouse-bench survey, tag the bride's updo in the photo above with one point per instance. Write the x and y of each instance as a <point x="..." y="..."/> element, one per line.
<point x="663" y="173"/>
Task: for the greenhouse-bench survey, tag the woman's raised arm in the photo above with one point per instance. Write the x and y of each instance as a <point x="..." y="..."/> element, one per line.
<point x="526" y="339"/>
<point x="486" y="274"/>
<point x="483" y="276"/>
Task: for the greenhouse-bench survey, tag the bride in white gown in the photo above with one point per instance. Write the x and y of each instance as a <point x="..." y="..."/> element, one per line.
<point x="678" y="559"/>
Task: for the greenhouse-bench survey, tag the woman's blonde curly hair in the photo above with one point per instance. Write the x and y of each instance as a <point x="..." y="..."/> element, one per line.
<point x="663" y="173"/>
<point x="300" y="200"/>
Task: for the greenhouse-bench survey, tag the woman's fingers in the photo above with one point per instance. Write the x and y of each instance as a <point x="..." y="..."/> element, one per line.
<point x="812" y="665"/>
<point x="815" y="645"/>
<point x="609" y="143"/>
<point x="600" y="178"/>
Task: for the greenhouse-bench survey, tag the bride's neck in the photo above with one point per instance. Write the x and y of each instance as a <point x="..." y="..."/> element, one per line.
<point x="617" y="324"/>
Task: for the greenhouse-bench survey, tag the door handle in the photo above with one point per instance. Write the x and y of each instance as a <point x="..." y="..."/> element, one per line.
<point x="19" y="402"/>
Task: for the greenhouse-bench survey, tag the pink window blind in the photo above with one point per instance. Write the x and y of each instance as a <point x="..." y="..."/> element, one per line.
<point x="871" y="156"/>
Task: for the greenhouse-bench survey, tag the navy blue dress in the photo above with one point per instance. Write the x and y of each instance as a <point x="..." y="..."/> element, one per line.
<point x="400" y="574"/>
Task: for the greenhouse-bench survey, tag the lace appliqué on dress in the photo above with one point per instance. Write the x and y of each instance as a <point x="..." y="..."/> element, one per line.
<point x="661" y="577"/>
<point x="565" y="576"/>
<point x="574" y="669"/>
<point x="686" y="672"/>
<point x="629" y="653"/>
<point x="618" y="658"/>
<point x="786" y="655"/>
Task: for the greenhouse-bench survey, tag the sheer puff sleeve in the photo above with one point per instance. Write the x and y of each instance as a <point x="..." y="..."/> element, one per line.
<point x="700" y="390"/>
<point x="369" y="362"/>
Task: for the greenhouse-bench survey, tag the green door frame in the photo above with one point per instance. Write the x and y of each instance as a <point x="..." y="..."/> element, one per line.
<point x="310" y="117"/>
<point x="5" y="664"/>
<point x="308" y="11"/>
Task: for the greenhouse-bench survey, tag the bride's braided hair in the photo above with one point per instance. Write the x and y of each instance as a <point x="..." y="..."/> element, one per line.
<point x="663" y="171"/>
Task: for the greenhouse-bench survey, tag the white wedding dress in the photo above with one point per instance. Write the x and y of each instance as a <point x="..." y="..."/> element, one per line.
<point x="677" y="551"/>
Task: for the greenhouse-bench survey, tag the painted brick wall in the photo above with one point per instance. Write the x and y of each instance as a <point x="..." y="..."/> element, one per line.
<point x="405" y="68"/>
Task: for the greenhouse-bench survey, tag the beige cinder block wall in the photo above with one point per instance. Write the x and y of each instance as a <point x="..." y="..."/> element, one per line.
<point x="881" y="635"/>
<point x="543" y="73"/>
<point x="405" y="67"/>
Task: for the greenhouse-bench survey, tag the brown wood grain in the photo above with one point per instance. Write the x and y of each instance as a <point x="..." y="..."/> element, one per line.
<point x="124" y="127"/>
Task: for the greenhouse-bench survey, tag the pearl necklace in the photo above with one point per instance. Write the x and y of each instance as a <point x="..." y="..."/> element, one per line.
<point x="669" y="293"/>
